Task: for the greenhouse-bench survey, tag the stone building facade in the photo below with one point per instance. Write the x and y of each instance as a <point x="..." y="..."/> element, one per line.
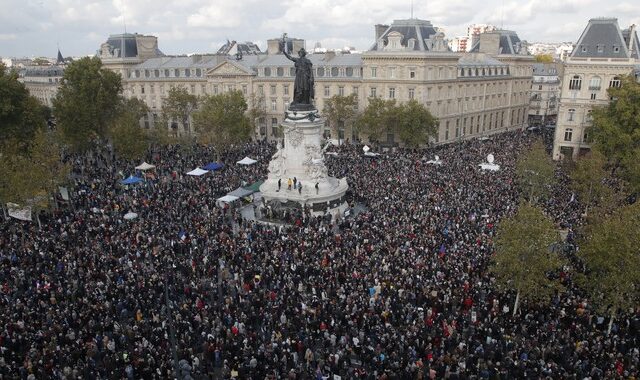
<point x="601" y="56"/>
<point x="472" y="94"/>
<point x="545" y="94"/>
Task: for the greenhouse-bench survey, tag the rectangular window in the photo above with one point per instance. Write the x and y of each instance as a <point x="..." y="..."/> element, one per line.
<point x="392" y="93"/>
<point x="571" y="113"/>
<point x="568" y="134"/>
<point x="142" y="89"/>
<point x="341" y="90"/>
<point x="593" y="96"/>
<point x="412" y="73"/>
<point x="273" y="89"/>
<point x="274" y="121"/>
<point x="392" y="72"/>
<point x="374" y="72"/>
<point x="446" y="132"/>
<point x="411" y="93"/>
<point x="286" y="89"/>
<point x="261" y="90"/>
<point x="327" y="91"/>
<point x="274" y="105"/>
<point x="151" y="89"/>
<point x="215" y="89"/>
<point x="193" y="88"/>
<point x="244" y="89"/>
<point x="373" y="92"/>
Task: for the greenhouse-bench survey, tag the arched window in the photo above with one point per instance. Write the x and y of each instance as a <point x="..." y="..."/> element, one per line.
<point x="292" y="71"/>
<point x="571" y="114"/>
<point x="594" y="83"/>
<point x="575" y="83"/>
<point x="349" y="71"/>
<point x="334" y="71"/>
<point x="320" y="71"/>
<point x="267" y="71"/>
<point x="280" y="71"/>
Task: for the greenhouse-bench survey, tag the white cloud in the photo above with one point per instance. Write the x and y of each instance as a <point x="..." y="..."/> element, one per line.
<point x="33" y="27"/>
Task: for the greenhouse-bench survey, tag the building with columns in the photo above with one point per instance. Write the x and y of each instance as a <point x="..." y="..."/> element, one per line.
<point x="471" y="94"/>
<point x="601" y="56"/>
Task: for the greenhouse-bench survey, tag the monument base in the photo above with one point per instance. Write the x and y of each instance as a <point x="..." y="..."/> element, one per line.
<point x="301" y="158"/>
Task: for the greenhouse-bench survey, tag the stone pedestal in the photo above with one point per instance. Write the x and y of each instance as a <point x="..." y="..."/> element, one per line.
<point x="302" y="158"/>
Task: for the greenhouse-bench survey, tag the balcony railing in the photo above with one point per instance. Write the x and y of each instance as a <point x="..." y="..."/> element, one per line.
<point x="594" y="88"/>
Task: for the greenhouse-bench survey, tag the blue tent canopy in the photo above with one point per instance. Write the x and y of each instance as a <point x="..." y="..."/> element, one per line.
<point x="131" y="180"/>
<point x="213" y="166"/>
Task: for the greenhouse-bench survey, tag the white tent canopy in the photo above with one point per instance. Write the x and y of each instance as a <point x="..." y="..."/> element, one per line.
<point x="197" y="172"/>
<point x="145" y="166"/>
<point x="227" y="198"/>
<point x="247" y="161"/>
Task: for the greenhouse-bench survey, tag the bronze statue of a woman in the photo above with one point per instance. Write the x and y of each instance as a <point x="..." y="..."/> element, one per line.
<point x="303" y="86"/>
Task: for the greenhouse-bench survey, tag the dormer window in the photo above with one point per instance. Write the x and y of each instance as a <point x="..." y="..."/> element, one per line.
<point x="616" y="49"/>
<point x="584" y="49"/>
<point x="600" y="48"/>
<point x="412" y="43"/>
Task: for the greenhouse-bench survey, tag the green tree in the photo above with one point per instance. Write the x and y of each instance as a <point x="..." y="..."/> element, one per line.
<point x="257" y="112"/>
<point x="221" y="120"/>
<point x="178" y="106"/>
<point x="612" y="255"/>
<point x="535" y="172"/>
<point x="20" y="113"/>
<point x="587" y="176"/>
<point x="45" y="171"/>
<point x="616" y="130"/>
<point x="378" y="117"/>
<point x="416" y="124"/>
<point x="129" y="139"/>
<point x="544" y="58"/>
<point x="87" y="102"/>
<point x="523" y="257"/>
<point x="340" y="112"/>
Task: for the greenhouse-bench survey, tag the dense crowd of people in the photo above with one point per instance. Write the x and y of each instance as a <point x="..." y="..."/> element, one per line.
<point x="189" y="289"/>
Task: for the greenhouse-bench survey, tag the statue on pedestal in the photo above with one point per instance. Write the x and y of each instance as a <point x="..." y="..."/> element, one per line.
<point x="303" y="90"/>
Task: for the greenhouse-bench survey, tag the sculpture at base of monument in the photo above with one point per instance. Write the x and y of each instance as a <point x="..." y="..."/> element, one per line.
<point x="303" y="90"/>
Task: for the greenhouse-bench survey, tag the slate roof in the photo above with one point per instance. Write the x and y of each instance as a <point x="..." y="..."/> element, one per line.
<point x="420" y="30"/>
<point x="635" y="50"/>
<point x="602" y="38"/>
<point x="510" y="43"/>
<point x="180" y="62"/>
<point x="479" y="59"/>
<point x="126" y="45"/>
<point x="316" y="60"/>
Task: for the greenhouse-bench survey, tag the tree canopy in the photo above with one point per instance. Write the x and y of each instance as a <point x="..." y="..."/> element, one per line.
<point x="340" y="111"/>
<point x="523" y="258"/>
<point x="221" y="120"/>
<point x="535" y="172"/>
<point x="616" y="130"/>
<point x="129" y="139"/>
<point x="87" y="102"/>
<point x="544" y="58"/>
<point x="611" y="252"/>
<point x="178" y="106"/>
<point x="416" y="124"/>
<point x="21" y="115"/>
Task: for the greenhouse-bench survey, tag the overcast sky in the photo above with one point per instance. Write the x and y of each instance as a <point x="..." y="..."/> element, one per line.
<point x="35" y="27"/>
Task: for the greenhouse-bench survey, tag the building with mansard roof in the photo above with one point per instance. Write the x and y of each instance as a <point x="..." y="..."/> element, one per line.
<point x="471" y="94"/>
<point x="601" y="56"/>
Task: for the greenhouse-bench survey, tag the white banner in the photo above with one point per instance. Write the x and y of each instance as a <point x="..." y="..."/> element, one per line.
<point x="64" y="193"/>
<point x="17" y="212"/>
